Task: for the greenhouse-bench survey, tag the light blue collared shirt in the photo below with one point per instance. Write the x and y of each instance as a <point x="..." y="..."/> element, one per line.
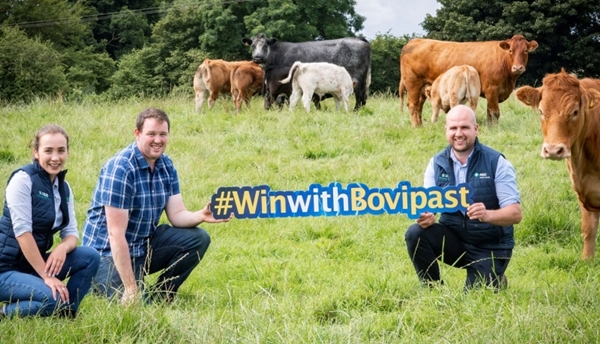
<point x="505" y="181"/>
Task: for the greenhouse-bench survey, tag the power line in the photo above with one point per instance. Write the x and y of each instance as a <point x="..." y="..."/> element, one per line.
<point x="110" y="15"/>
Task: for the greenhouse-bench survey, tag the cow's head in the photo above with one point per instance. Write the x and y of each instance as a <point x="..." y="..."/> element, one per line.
<point x="518" y="49"/>
<point x="563" y="105"/>
<point x="260" y="47"/>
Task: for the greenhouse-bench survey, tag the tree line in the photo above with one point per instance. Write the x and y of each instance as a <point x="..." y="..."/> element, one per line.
<point x="116" y="49"/>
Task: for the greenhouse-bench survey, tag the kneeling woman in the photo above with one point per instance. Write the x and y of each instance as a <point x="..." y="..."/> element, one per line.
<point x="38" y="204"/>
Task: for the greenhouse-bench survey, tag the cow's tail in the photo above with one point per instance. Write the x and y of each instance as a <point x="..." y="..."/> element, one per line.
<point x="291" y="73"/>
<point x="198" y="76"/>
<point x="468" y="80"/>
<point x="233" y="86"/>
<point x="401" y="89"/>
<point x="206" y="71"/>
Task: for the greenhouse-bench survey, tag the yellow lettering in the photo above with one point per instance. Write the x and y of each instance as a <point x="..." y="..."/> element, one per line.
<point x="282" y="206"/>
<point x="435" y="200"/>
<point x="463" y="197"/>
<point x="404" y="197"/>
<point x="372" y="202"/>
<point x="451" y="200"/>
<point x="414" y="204"/>
<point x="358" y="199"/>
<point x="246" y="202"/>
<point x="392" y="202"/>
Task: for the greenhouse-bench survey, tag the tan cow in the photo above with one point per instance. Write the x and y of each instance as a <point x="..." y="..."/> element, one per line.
<point x="457" y="85"/>
<point x="570" y="115"/>
<point x="246" y="81"/>
<point x="499" y="64"/>
<point x="213" y="76"/>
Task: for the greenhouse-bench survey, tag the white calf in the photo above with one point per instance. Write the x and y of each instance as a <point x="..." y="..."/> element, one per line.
<point x="457" y="85"/>
<point x="320" y="78"/>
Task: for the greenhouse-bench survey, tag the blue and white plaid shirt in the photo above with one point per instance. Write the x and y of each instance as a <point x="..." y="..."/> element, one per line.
<point x="127" y="182"/>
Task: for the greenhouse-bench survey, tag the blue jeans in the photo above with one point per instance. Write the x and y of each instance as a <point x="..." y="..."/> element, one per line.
<point x="28" y="295"/>
<point x="438" y="242"/>
<point x="175" y="251"/>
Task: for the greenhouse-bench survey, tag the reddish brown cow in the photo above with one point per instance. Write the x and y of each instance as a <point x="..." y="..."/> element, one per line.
<point x="570" y="116"/>
<point x="499" y="64"/>
<point x="213" y="76"/>
<point x="246" y="81"/>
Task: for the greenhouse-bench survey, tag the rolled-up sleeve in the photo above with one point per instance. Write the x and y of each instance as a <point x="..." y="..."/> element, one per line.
<point x="18" y="200"/>
<point x="506" y="183"/>
<point x="429" y="177"/>
<point x="71" y="227"/>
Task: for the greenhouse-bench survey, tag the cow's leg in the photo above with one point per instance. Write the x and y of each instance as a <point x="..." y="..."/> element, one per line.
<point x="306" y="98"/>
<point x="493" y="108"/>
<point x="589" y="231"/>
<point x="360" y="94"/>
<point x="346" y="101"/>
<point x="415" y="104"/>
<point x="281" y="100"/>
<point x="317" y="100"/>
<point x="454" y="99"/>
<point x="239" y="99"/>
<point x="200" y="95"/>
<point x="295" y="97"/>
<point x="234" y="97"/>
<point x="212" y="99"/>
<point x="473" y="101"/>
<point x="338" y="104"/>
<point x="435" y="106"/>
<point x="247" y="97"/>
<point x="268" y="98"/>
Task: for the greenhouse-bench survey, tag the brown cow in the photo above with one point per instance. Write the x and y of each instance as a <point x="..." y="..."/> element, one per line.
<point x="213" y="76"/>
<point x="570" y="116"/>
<point x="457" y="85"/>
<point x="499" y="64"/>
<point x="246" y="81"/>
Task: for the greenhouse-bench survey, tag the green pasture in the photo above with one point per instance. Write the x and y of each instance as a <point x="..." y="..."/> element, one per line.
<point x="321" y="279"/>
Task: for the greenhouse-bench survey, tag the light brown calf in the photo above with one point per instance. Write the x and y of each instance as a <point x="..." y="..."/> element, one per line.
<point x="457" y="85"/>
<point x="246" y="81"/>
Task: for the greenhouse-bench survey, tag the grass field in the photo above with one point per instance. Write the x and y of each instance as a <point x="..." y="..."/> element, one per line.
<point x="342" y="279"/>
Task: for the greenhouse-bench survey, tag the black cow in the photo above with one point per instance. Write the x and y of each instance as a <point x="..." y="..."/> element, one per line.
<point x="354" y="54"/>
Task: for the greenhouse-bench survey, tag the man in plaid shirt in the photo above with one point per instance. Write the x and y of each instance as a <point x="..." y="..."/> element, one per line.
<point x="134" y="188"/>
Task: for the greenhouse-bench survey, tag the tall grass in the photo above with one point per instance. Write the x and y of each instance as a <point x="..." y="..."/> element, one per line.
<point x="321" y="279"/>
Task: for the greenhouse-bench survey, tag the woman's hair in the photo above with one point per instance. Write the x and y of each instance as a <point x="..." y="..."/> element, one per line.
<point x="48" y="129"/>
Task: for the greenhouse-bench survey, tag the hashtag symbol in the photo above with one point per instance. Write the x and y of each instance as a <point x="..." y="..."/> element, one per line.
<point x="223" y="203"/>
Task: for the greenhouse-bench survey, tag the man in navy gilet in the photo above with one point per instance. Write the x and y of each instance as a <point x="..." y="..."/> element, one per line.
<point x="481" y="239"/>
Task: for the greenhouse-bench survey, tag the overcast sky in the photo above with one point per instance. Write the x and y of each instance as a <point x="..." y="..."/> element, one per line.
<point x="399" y="16"/>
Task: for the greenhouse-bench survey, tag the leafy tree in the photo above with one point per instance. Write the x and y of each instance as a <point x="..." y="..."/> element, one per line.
<point x="28" y="67"/>
<point x="567" y="31"/>
<point x="307" y="20"/>
<point x="123" y="25"/>
<point x="385" y="62"/>
<point x="59" y="24"/>
<point x="135" y="75"/>
<point x="57" y="21"/>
